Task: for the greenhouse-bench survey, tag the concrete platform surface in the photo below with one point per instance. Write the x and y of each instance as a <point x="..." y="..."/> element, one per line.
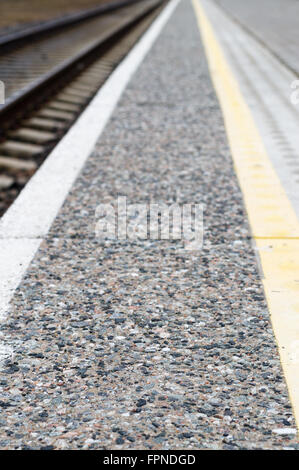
<point x="273" y="22"/>
<point x="142" y="344"/>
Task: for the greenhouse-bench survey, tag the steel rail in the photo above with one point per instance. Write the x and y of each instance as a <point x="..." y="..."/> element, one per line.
<point x="43" y="86"/>
<point x="37" y="31"/>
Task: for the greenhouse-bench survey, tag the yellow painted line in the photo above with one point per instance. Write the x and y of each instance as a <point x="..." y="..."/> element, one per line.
<point x="269" y="211"/>
<point x="273" y="221"/>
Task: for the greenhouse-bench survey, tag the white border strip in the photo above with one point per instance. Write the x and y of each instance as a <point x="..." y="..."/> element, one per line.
<point x="30" y="217"/>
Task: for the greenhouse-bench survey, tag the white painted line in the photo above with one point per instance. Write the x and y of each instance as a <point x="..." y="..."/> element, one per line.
<point x="15" y="257"/>
<point x="30" y="217"/>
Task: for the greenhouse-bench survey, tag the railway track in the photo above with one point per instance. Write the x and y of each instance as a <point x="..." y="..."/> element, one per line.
<point x="50" y="78"/>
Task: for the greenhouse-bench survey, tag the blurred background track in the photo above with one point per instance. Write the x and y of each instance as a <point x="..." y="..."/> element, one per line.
<point x="50" y="78"/>
<point x="20" y="14"/>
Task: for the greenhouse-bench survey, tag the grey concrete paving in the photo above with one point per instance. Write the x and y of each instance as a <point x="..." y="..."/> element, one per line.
<point x="266" y="85"/>
<point x="274" y="22"/>
<point x="135" y="344"/>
